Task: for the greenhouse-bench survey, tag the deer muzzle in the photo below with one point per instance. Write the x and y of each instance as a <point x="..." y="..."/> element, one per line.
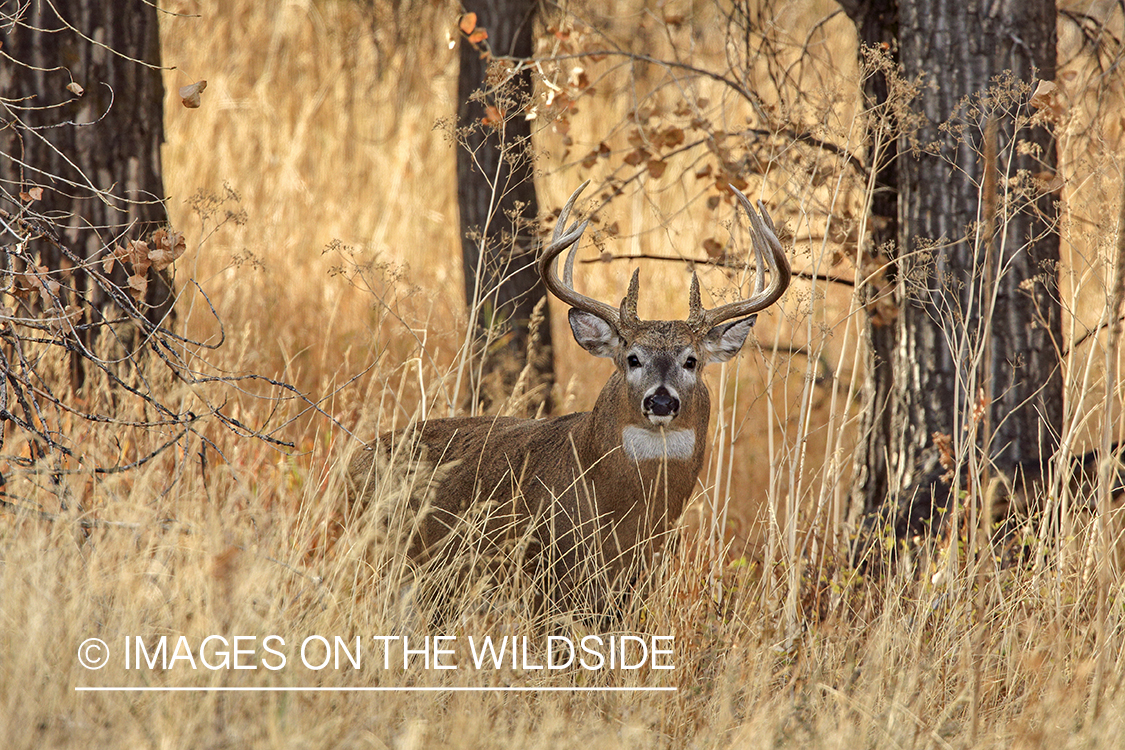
<point x="661" y="406"/>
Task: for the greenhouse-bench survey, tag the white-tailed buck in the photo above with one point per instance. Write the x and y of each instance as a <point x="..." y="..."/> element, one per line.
<point x="580" y="500"/>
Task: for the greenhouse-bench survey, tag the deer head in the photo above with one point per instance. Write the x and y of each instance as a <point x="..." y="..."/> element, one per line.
<point x="659" y="361"/>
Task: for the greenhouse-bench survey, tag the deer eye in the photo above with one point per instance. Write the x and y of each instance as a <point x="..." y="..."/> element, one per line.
<point x="633" y="361"/>
<point x="689" y="363"/>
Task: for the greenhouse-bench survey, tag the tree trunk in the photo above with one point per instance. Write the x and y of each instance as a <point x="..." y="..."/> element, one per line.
<point x="877" y="25"/>
<point x="95" y="151"/>
<point x="499" y="209"/>
<point x="950" y="259"/>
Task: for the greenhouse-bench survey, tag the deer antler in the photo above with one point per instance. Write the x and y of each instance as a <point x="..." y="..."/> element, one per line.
<point x="767" y="254"/>
<point x="564" y="289"/>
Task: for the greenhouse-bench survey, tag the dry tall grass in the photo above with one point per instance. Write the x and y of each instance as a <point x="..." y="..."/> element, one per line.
<point x="344" y="264"/>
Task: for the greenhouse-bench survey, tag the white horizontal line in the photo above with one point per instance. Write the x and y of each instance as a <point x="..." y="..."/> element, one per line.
<point x="510" y="689"/>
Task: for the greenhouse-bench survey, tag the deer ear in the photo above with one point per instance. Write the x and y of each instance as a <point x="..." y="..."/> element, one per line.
<point x="593" y="334"/>
<point x="723" y="341"/>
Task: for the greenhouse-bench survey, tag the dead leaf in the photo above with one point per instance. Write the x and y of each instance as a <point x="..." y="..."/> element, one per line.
<point x="179" y="244"/>
<point x="189" y="95"/>
<point x="48" y="287"/>
<point x="138" y="251"/>
<point x="1048" y="99"/>
<point x="492" y="116"/>
<point x="139" y="285"/>
<point x="467" y="23"/>
<point x="478" y="36"/>
<point x="160" y="257"/>
<point x="32" y="194"/>
<point x="672" y="137"/>
<point x="75" y="89"/>
<point x="635" y="157"/>
<point x="713" y="248"/>
<point x="166" y="248"/>
<point x="656" y="168"/>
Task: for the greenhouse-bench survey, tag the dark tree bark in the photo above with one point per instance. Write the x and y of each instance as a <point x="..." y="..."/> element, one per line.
<point x="877" y="25"/>
<point x="499" y="209"/>
<point x="95" y="154"/>
<point x="948" y="202"/>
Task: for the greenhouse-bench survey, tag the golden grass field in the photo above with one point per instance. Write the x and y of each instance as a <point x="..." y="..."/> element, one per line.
<point x="316" y="187"/>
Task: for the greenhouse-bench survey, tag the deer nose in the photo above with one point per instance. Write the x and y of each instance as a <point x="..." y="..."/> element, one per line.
<point x="661" y="403"/>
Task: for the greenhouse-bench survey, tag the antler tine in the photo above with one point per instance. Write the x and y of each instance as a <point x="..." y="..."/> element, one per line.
<point x="629" y="302"/>
<point x="767" y="254"/>
<point x="759" y="252"/>
<point x="568" y="266"/>
<point x="695" y="305"/>
<point x="561" y="240"/>
<point x="564" y="214"/>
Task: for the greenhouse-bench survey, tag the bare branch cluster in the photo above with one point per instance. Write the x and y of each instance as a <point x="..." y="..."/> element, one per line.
<point x="95" y="378"/>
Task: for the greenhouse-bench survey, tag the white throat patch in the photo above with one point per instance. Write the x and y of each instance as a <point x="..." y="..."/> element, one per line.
<point x="641" y="444"/>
